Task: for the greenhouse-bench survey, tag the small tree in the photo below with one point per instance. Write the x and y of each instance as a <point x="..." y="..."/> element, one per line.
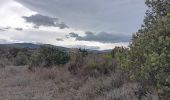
<point x="148" y="60"/>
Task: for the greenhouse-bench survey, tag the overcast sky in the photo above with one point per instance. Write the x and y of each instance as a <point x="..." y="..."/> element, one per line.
<point x="91" y="24"/>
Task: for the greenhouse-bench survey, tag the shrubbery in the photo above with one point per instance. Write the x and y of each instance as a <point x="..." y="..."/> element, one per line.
<point x="91" y="65"/>
<point x="47" y="56"/>
<point x="2" y="64"/>
<point x="83" y="52"/>
<point x="148" y="59"/>
<point x="15" y="56"/>
<point x="21" y="59"/>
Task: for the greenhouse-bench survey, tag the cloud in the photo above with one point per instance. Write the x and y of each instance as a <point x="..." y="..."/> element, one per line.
<point x="19" y="29"/>
<point x="101" y="37"/>
<point x="84" y="47"/>
<point x="7" y="41"/>
<point x="5" y="28"/>
<point x="94" y="15"/>
<point x="41" y="20"/>
<point x="11" y="13"/>
<point x="59" y="39"/>
<point x="2" y="29"/>
<point x="72" y="34"/>
<point x="41" y="36"/>
<point x="8" y="28"/>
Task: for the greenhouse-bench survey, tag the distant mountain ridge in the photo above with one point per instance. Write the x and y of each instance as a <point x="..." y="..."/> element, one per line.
<point x="36" y="46"/>
<point x="22" y="45"/>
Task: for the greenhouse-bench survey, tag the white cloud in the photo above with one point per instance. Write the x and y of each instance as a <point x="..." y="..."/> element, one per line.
<point x="47" y="37"/>
<point x="11" y="12"/>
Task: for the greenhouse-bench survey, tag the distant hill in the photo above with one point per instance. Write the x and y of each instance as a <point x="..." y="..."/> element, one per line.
<point x="36" y="46"/>
<point x="28" y="45"/>
<point x="22" y="45"/>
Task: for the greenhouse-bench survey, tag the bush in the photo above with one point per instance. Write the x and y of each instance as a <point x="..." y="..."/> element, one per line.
<point x="21" y="59"/>
<point x="15" y="56"/>
<point x="2" y="65"/>
<point x="47" y="56"/>
<point x="77" y="62"/>
<point x="94" y="65"/>
<point x="4" y="62"/>
<point x="83" y="52"/>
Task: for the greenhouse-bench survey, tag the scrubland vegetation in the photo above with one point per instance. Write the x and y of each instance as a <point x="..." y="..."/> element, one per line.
<point x="140" y="72"/>
<point x="90" y="77"/>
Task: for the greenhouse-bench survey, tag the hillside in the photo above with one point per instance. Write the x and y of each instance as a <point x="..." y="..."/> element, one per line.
<point x="36" y="46"/>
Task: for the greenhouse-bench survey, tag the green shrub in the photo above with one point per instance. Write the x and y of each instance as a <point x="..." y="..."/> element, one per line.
<point x="148" y="59"/>
<point x="47" y="56"/>
<point x="15" y="56"/>
<point x="83" y="52"/>
<point x="21" y="59"/>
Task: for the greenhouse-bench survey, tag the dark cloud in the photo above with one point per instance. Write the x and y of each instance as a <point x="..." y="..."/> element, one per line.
<point x="19" y="29"/>
<point x="102" y="37"/>
<point x="94" y="15"/>
<point x="2" y="29"/>
<point x="72" y="34"/>
<point x="84" y="47"/>
<point x="59" y="39"/>
<point x="41" y="20"/>
<point x="5" y="28"/>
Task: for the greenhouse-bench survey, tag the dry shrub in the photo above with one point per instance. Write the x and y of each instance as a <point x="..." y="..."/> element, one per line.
<point x="2" y="65"/>
<point x="56" y="73"/>
<point x="91" y="65"/>
<point x="45" y="73"/>
<point x="57" y="83"/>
<point x="95" y="88"/>
<point x="76" y="62"/>
<point x="3" y="62"/>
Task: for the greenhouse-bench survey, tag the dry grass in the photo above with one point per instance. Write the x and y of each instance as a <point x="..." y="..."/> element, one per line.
<point x="18" y="83"/>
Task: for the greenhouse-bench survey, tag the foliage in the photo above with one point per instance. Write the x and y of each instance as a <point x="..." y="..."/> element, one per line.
<point x="107" y="56"/>
<point x="83" y="52"/>
<point x="21" y="59"/>
<point x="47" y="56"/>
<point x="148" y="60"/>
<point x="15" y="56"/>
